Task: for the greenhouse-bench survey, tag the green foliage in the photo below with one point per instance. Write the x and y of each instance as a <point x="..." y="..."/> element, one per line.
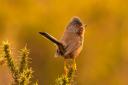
<point x="22" y="73"/>
<point x="10" y="62"/>
<point x="69" y="73"/>
<point x="24" y="59"/>
<point x="36" y="83"/>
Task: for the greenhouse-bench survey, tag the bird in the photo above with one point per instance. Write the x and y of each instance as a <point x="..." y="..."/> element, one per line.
<point x="71" y="43"/>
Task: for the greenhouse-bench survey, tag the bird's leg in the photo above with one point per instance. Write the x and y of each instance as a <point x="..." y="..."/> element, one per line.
<point x="65" y="68"/>
<point x="74" y="64"/>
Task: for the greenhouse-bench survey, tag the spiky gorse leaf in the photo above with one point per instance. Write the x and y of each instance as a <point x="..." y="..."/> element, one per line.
<point x="25" y="77"/>
<point x="2" y="60"/>
<point x="36" y="83"/>
<point x="62" y="80"/>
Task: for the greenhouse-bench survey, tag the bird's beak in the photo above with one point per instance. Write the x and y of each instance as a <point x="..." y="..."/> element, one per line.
<point x="84" y="25"/>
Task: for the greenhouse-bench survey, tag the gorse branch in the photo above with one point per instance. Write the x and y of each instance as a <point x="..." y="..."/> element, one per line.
<point x="11" y="64"/>
<point x="22" y="73"/>
<point x="24" y="59"/>
<point x="69" y="73"/>
<point x="25" y="77"/>
<point x="25" y="71"/>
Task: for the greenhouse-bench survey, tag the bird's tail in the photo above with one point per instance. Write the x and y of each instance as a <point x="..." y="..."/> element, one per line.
<point x="51" y="38"/>
<point x="55" y="41"/>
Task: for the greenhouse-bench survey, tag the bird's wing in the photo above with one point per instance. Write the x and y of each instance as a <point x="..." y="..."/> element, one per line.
<point x="71" y="47"/>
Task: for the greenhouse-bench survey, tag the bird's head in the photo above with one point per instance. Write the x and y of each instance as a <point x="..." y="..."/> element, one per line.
<point x="75" y="25"/>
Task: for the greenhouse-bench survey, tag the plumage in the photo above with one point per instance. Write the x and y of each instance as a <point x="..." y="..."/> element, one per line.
<point x="72" y="39"/>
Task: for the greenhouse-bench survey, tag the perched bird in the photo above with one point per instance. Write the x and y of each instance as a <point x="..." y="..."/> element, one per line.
<point x="72" y="40"/>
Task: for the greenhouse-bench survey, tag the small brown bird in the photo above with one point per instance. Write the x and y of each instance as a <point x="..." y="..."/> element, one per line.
<point x="71" y="42"/>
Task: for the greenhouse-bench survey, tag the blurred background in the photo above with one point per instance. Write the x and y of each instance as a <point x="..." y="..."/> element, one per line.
<point x="104" y="59"/>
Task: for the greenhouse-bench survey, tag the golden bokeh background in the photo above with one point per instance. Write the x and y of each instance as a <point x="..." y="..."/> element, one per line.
<point x="104" y="59"/>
